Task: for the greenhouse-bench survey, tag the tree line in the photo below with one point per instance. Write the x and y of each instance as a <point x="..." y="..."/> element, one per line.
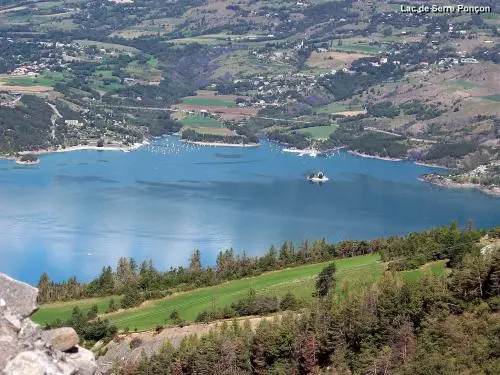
<point x="144" y="281"/>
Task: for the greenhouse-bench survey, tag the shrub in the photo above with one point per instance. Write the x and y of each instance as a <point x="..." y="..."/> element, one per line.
<point x="289" y="302"/>
<point x="135" y="343"/>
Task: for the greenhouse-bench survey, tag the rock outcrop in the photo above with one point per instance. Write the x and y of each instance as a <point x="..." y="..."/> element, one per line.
<point x="26" y="349"/>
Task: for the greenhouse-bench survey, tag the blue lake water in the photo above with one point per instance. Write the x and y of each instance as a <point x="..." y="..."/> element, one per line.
<point x="78" y="211"/>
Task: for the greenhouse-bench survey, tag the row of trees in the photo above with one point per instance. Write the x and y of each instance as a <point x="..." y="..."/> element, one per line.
<point x="130" y="278"/>
<point x="139" y="281"/>
<point x="433" y="325"/>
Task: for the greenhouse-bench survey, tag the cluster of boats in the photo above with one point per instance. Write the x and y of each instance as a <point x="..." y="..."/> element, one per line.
<point x="308" y="151"/>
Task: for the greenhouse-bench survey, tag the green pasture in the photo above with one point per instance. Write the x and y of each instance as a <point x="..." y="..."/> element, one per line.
<point x="199" y="120"/>
<point x="494" y="97"/>
<point x="356" y="273"/>
<point x="62" y="310"/>
<point x="435" y="268"/>
<point x="214" y="102"/>
<point x="358" y="47"/>
<point x="336" y="107"/>
<point x="319" y="132"/>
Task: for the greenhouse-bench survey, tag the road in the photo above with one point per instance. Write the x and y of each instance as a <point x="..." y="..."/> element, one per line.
<point x="167" y="109"/>
<point x="53" y="119"/>
<point x="371" y="128"/>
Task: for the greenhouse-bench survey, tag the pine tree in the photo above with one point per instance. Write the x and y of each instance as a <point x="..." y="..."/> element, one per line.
<point x="492" y="283"/>
<point x="44" y="288"/>
<point x="308" y="361"/>
<point x="112" y="305"/>
<point x="195" y="261"/>
<point x="325" y="283"/>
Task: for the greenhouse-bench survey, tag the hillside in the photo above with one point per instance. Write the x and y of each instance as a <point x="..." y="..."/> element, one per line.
<point x="306" y="73"/>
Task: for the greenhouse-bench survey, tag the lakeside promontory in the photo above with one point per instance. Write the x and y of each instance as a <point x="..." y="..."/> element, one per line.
<point x="484" y="178"/>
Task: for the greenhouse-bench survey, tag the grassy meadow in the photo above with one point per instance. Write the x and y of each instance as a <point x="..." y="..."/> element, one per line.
<point x="212" y="101"/>
<point x="62" y="310"/>
<point x="199" y="120"/>
<point x="356" y="273"/>
<point x="319" y="132"/>
<point x="336" y="108"/>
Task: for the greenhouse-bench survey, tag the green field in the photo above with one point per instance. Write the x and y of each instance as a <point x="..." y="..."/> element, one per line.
<point x="462" y="84"/>
<point x="358" y="270"/>
<point x="46" y="79"/>
<point x="62" y="310"/>
<point x="494" y="97"/>
<point x="199" y="120"/>
<point x="215" y="102"/>
<point x="203" y="39"/>
<point x="119" y="47"/>
<point x="358" y="47"/>
<point x="319" y="132"/>
<point x="435" y="268"/>
<point x="336" y="107"/>
<point x="356" y="273"/>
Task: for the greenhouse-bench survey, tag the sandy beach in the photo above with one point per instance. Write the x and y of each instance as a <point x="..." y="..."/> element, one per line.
<point x="373" y="156"/>
<point x="114" y="147"/>
<point x="220" y="144"/>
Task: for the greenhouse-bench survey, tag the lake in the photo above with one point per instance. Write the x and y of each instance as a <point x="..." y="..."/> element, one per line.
<point x="76" y="212"/>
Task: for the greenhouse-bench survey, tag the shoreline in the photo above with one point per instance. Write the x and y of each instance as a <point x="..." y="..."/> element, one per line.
<point x="386" y="158"/>
<point x="220" y="144"/>
<point x="115" y="147"/>
<point x="422" y="164"/>
<point x="449" y="184"/>
<point x="360" y="154"/>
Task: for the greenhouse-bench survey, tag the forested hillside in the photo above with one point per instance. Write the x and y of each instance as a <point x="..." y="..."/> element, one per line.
<point x="398" y="326"/>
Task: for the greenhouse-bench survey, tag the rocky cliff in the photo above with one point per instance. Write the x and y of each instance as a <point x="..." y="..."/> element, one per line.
<point x="26" y="349"/>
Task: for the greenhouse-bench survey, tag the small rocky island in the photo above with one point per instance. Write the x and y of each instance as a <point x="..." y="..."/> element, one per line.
<point x="317" y="177"/>
<point x="28" y="159"/>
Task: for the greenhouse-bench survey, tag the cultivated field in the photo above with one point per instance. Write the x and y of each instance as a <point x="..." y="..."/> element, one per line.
<point x="24" y="89"/>
<point x="333" y="59"/>
<point x="112" y="46"/>
<point x="211" y="102"/>
<point x="62" y="310"/>
<point x="214" y="131"/>
<point x="196" y="120"/>
<point x="356" y="272"/>
<point x="223" y="105"/>
<point x="344" y="109"/>
<point x="319" y="132"/>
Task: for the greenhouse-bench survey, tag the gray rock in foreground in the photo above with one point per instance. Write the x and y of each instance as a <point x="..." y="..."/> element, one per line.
<point x="25" y="349"/>
<point x="19" y="297"/>
<point x="61" y="338"/>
